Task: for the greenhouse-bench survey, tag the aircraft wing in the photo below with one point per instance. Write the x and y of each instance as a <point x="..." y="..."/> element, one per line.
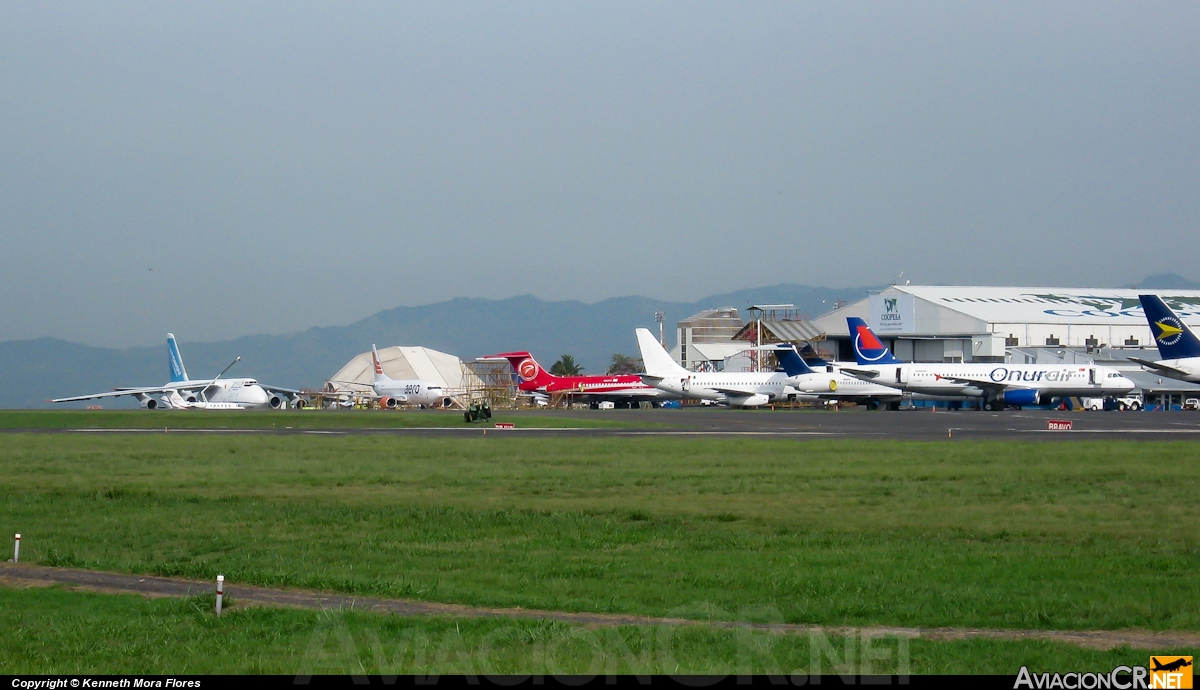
<point x="370" y="395"/>
<point x="651" y="380"/>
<point x="864" y="374"/>
<point x="279" y="389"/>
<point x="1161" y="368"/>
<point x="731" y="392"/>
<point x="985" y="384"/>
<point x="376" y="396"/>
<point x="116" y="393"/>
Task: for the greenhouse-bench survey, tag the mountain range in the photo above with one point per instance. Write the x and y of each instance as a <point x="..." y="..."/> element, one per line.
<point x="32" y="371"/>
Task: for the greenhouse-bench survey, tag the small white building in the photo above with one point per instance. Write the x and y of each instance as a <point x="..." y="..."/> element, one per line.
<point x="704" y="342"/>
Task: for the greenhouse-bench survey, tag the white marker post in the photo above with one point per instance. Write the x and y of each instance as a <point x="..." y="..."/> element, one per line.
<point x="17" y="549"/>
<point x="220" y="592"/>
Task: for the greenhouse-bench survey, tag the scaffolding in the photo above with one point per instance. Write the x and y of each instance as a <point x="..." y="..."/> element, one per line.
<point x="778" y="323"/>
<point x="488" y="380"/>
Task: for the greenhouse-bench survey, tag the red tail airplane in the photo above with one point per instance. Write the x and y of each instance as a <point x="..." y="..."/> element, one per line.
<point x="617" y="388"/>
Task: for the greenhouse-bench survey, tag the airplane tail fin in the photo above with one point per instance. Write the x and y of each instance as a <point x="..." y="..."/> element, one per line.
<point x="868" y="349"/>
<point x="1175" y="340"/>
<point x="378" y="366"/>
<point x="526" y="368"/>
<point x="810" y="356"/>
<point x="791" y="361"/>
<point x="658" y="363"/>
<point x="178" y="373"/>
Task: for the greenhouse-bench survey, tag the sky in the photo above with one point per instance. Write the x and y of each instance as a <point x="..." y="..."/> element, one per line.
<point x="223" y="169"/>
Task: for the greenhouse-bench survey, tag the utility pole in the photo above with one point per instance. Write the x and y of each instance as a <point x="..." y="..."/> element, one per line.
<point x="658" y="316"/>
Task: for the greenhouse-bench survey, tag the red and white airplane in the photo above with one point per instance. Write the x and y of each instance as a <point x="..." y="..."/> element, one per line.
<point x="536" y="381"/>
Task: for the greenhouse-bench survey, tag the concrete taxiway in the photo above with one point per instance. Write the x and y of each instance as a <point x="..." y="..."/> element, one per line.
<point x="1026" y="425"/>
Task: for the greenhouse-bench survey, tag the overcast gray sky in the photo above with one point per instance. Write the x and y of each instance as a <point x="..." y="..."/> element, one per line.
<point x="221" y="169"/>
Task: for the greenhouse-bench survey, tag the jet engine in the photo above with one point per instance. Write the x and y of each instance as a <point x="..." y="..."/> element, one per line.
<point x="299" y="403"/>
<point x="1024" y="396"/>
<point x="388" y="403"/>
<point x="751" y="400"/>
<point x="276" y="402"/>
<point x="149" y="403"/>
<point x="447" y="402"/>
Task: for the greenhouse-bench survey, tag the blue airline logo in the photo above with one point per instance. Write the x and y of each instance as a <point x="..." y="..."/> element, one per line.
<point x="1004" y="374"/>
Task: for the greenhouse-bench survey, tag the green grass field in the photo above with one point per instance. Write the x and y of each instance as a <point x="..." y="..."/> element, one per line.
<point x="52" y="631"/>
<point x="289" y="419"/>
<point x="1004" y="535"/>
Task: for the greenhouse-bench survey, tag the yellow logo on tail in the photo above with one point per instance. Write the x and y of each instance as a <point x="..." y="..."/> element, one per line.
<point x="1166" y="330"/>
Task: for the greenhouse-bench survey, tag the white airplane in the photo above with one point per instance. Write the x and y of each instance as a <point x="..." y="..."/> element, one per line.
<point x="183" y="393"/>
<point x="392" y="393"/>
<point x="832" y="384"/>
<point x="1177" y="344"/>
<point x="998" y="385"/>
<point x="738" y="389"/>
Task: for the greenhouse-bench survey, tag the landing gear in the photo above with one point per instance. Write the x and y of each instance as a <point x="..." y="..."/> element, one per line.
<point x="894" y="405"/>
<point x="989" y="406"/>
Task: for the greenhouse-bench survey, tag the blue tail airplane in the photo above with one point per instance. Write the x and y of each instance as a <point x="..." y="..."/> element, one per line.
<point x="834" y="385"/>
<point x="1179" y="347"/>
<point x="868" y="349"/>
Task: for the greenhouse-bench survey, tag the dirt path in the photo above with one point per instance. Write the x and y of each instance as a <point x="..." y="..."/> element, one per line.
<point x="20" y="575"/>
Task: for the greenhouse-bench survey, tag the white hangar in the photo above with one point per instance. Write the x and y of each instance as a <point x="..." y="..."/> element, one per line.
<point x="924" y="323"/>
<point x="406" y="363"/>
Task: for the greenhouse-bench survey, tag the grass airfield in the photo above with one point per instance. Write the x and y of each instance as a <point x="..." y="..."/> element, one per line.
<point x="1069" y="536"/>
<point x="53" y="631"/>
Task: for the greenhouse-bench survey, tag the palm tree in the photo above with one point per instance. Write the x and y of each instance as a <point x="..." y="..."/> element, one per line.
<point x="566" y="366"/>
<point x="623" y="364"/>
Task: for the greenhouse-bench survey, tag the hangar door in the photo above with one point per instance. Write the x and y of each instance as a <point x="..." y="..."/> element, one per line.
<point x="928" y="350"/>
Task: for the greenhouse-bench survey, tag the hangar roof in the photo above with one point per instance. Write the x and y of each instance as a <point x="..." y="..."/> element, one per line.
<point x="1052" y="305"/>
<point x="783" y="331"/>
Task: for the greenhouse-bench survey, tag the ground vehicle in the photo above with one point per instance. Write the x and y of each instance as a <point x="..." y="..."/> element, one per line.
<point x="1123" y="403"/>
<point x="1191" y="404"/>
<point x="607" y="405"/>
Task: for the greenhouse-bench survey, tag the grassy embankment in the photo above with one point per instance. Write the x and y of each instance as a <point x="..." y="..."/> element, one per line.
<point x="1004" y="535"/>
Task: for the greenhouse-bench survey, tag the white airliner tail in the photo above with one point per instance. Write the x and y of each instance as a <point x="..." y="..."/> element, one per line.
<point x="379" y="375"/>
<point x="178" y="372"/>
<point x="658" y="363"/>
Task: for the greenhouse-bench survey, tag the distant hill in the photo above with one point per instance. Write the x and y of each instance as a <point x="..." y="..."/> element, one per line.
<point x="32" y="371"/>
<point x="1169" y="281"/>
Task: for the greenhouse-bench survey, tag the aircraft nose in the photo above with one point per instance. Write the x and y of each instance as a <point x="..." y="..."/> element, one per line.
<point x="1123" y="383"/>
